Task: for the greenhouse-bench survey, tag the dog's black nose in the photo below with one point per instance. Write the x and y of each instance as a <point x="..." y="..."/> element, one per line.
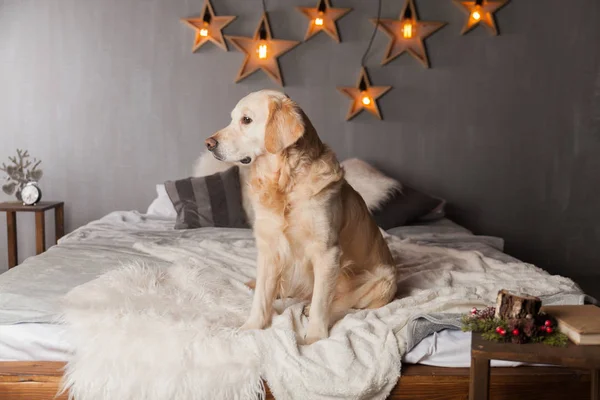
<point x="211" y="144"/>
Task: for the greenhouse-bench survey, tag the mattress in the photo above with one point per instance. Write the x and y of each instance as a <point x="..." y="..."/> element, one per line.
<point x="46" y="342"/>
<point x="30" y="293"/>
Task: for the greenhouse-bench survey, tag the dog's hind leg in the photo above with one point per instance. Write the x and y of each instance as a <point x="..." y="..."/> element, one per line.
<point x="374" y="289"/>
<point x="378" y="290"/>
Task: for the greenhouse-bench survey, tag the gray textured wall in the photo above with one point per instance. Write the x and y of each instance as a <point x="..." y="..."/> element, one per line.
<point x="109" y="96"/>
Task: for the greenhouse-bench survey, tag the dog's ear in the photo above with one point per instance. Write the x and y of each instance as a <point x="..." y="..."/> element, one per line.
<point x="284" y="125"/>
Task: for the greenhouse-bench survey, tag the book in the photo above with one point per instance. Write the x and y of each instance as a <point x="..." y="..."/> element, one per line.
<point x="580" y="323"/>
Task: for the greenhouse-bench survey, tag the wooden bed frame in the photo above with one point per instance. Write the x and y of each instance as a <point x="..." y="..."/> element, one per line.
<point x="30" y="380"/>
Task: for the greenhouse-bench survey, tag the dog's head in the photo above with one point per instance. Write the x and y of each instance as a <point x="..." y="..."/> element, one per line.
<point x="266" y="121"/>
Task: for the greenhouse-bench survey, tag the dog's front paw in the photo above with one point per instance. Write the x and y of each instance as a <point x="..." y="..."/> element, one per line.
<point x="314" y="333"/>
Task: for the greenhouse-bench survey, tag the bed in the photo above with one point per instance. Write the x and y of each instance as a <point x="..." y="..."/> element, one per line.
<point x="34" y="349"/>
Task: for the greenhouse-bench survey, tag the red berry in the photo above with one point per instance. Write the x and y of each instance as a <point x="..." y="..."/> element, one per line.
<point x="548" y="330"/>
<point x="515" y="332"/>
<point x="548" y="323"/>
<point x="502" y="332"/>
<point x="498" y="329"/>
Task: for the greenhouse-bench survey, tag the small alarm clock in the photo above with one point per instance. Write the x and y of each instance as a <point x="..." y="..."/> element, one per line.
<point x="31" y="194"/>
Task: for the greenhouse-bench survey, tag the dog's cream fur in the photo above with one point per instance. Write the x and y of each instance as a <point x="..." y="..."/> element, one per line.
<point x="315" y="236"/>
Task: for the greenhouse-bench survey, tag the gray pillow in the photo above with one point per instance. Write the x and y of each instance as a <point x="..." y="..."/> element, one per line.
<point x="404" y="207"/>
<point x="214" y="200"/>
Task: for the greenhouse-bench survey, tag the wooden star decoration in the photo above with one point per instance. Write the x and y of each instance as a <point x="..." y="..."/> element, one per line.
<point x="323" y="18"/>
<point x="481" y="11"/>
<point x="407" y="34"/>
<point x="262" y="51"/>
<point x="208" y="27"/>
<point x="364" y="96"/>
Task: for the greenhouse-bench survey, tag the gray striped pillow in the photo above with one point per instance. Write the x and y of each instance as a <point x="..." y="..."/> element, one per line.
<point x="214" y="200"/>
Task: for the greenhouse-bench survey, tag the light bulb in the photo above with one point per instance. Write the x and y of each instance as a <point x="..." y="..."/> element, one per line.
<point x="407" y="30"/>
<point x="366" y="100"/>
<point x="476" y="15"/>
<point x="262" y="51"/>
<point x="204" y="32"/>
<point x="319" y="21"/>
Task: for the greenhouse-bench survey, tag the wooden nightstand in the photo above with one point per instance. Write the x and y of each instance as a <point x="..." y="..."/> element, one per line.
<point x="572" y="356"/>
<point x="13" y="208"/>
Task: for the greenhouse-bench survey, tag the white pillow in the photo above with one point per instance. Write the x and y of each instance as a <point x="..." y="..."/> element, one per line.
<point x="373" y="186"/>
<point x="162" y="205"/>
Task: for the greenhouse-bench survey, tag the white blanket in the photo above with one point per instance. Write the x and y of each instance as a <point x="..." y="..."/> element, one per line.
<point x="169" y="330"/>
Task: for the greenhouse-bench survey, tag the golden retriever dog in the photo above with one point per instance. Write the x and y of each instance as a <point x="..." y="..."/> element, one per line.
<point x="315" y="236"/>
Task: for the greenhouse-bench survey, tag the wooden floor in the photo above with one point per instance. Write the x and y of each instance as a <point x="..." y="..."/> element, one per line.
<point x="40" y="381"/>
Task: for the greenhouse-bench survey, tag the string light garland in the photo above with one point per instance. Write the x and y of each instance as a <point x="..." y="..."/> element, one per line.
<point x="363" y="95"/>
<point x="323" y="18"/>
<point x="262" y="51"/>
<point x="208" y="27"/>
<point x="480" y="12"/>
<point x="407" y="34"/>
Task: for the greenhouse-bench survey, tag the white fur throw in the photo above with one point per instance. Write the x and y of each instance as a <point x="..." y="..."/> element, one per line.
<point x="154" y="334"/>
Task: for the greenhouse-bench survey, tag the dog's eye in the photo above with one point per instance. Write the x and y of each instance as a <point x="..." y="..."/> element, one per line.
<point x="246" y="120"/>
